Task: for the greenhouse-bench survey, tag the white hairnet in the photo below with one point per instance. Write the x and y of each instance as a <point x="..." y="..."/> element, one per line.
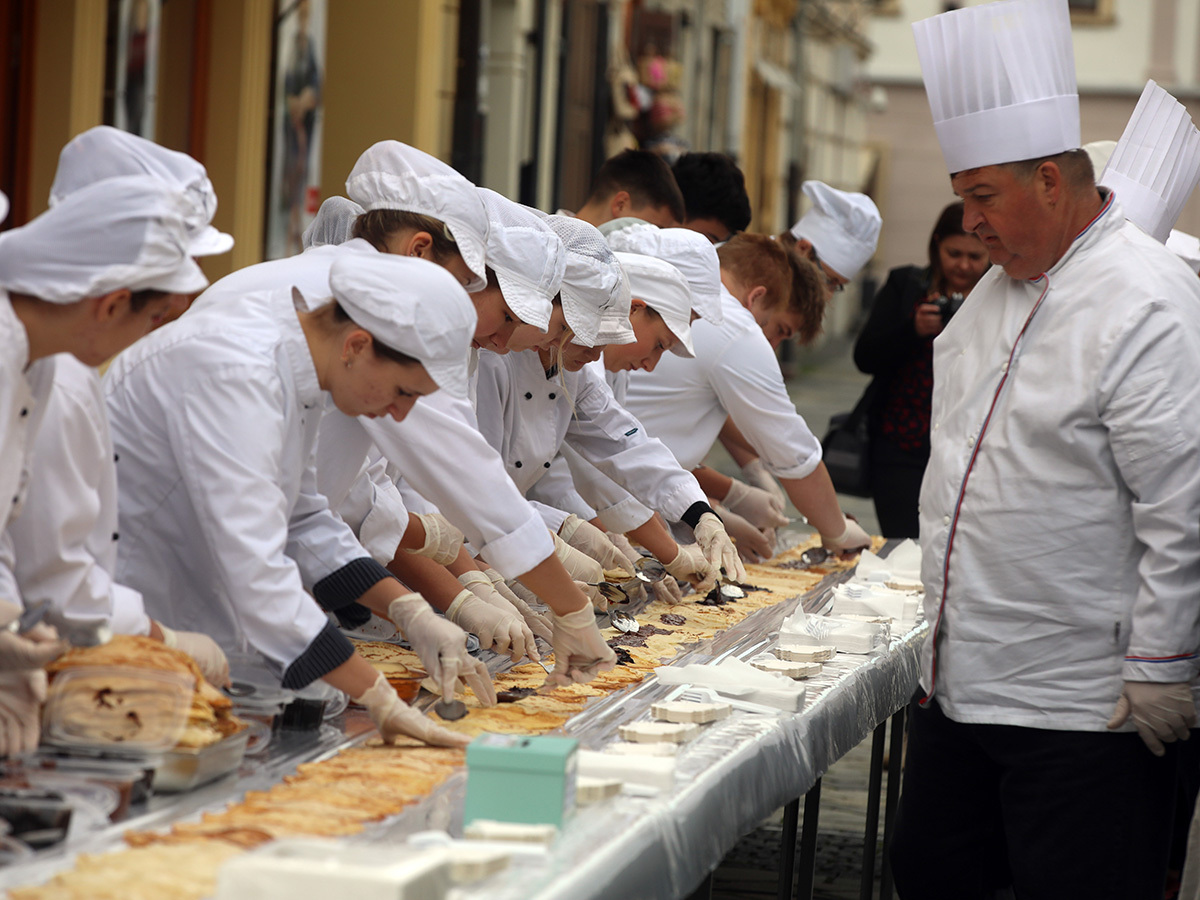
<point x="333" y="224"/>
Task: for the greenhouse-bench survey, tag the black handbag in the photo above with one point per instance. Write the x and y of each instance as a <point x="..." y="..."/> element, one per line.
<point x="847" y="447"/>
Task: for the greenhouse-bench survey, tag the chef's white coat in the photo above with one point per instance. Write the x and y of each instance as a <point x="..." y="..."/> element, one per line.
<point x="684" y="402"/>
<point x="222" y="527"/>
<point x="437" y="447"/>
<point x="1075" y="562"/>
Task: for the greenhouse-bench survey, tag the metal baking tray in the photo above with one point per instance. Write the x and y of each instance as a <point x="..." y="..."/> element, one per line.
<point x="183" y="770"/>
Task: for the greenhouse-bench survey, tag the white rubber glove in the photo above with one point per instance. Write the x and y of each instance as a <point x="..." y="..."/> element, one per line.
<point x="203" y="650"/>
<point x="587" y="538"/>
<point x="691" y="565"/>
<point x="760" y="508"/>
<point x="499" y="629"/>
<point x="393" y="717"/>
<point x="442" y="540"/>
<point x="598" y="600"/>
<point x="578" y="564"/>
<point x="623" y="544"/>
<point x="31" y="650"/>
<point x="718" y="548"/>
<point x="853" y="538"/>
<point x="756" y="474"/>
<point x="580" y="653"/>
<point x="1162" y="713"/>
<point x="21" y="696"/>
<point x="667" y="590"/>
<point x="752" y="545"/>
<point x="442" y="646"/>
<point x="536" y="621"/>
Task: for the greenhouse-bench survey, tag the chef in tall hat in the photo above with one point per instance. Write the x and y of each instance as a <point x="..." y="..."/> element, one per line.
<point x="839" y="233"/>
<point x="1060" y="507"/>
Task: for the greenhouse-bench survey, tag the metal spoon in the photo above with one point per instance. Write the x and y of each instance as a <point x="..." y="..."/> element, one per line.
<point x="28" y="618"/>
<point x="450" y="710"/>
<point x="814" y="556"/>
<point x="622" y="621"/>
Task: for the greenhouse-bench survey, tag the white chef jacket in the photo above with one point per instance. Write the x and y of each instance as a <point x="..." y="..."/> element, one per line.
<point x="685" y="402"/>
<point x="222" y="527"/>
<point x="528" y="416"/>
<point x="437" y="447"/>
<point x="1075" y="562"/>
<point x="65" y="539"/>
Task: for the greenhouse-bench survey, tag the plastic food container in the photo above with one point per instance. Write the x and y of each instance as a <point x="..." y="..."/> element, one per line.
<point x="129" y="778"/>
<point x="185" y="769"/>
<point x="38" y="818"/>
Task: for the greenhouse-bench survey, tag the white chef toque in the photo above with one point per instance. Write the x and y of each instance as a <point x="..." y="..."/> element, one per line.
<point x="663" y="288"/>
<point x="1001" y="82"/>
<point x="3" y="207"/>
<point x="107" y="152"/>
<point x="1156" y="164"/>
<point x="1099" y="153"/>
<point x="411" y="305"/>
<point x="842" y="226"/>
<point x="1186" y="247"/>
<point x="126" y="232"/>
<point x="392" y="175"/>
<point x="527" y="256"/>
<point x="688" y="251"/>
<point x="333" y="224"/>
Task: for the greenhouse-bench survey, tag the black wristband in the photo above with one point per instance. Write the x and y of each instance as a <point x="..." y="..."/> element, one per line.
<point x="328" y="650"/>
<point x="347" y="584"/>
<point x="353" y="616"/>
<point x="691" y="516"/>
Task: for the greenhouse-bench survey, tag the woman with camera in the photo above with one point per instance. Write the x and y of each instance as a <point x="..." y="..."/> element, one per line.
<point x="896" y="346"/>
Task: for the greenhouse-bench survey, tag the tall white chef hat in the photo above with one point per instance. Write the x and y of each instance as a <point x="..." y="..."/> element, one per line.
<point x="527" y="256"/>
<point x="392" y="175"/>
<point x="842" y="226"/>
<point x="3" y="207"/>
<point x="1186" y="247"/>
<point x="107" y="152"/>
<point x="126" y="232"/>
<point x="663" y="288"/>
<point x="1156" y="165"/>
<point x="1001" y="81"/>
<point x="413" y="306"/>
<point x="688" y="251"/>
<point x="333" y="223"/>
<point x="1099" y="152"/>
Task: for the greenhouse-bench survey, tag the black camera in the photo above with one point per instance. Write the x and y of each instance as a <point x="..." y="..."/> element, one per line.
<point x="948" y="305"/>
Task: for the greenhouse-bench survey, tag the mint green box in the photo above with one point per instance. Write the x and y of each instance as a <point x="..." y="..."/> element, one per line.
<point x="514" y="778"/>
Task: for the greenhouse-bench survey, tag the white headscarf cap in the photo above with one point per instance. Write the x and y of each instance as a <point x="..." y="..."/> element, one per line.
<point x="527" y="256"/>
<point x="688" y="251"/>
<point x="333" y="224"/>
<point x="663" y="288"/>
<point x="842" y="226"/>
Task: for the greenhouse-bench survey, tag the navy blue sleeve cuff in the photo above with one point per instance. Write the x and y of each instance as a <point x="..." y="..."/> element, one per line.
<point x="328" y="650"/>
<point x="347" y="584"/>
<point x="693" y="513"/>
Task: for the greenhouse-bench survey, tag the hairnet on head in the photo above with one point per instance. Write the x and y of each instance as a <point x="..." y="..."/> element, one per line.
<point x="333" y="223"/>
<point x="688" y="251"/>
<point x="528" y="258"/>
<point x="663" y="288"/>
<point x="106" y="152"/>
<point x="118" y="233"/>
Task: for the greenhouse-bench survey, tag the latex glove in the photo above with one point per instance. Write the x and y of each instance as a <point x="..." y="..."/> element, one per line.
<point x="580" y="653"/>
<point x="598" y="600"/>
<point x="578" y="564"/>
<point x="502" y="630"/>
<point x="760" y="508"/>
<point x="1162" y="713"/>
<point x="536" y="621"/>
<point x="31" y="650"/>
<point x="587" y="538"/>
<point x="853" y="538"/>
<point x="21" y="696"/>
<point x="203" y="650"/>
<point x="667" y="590"/>
<point x="393" y="717"/>
<point x="718" y="549"/>
<point x="442" y="646"/>
<point x="691" y="565"/>
<point x="752" y="544"/>
<point x="627" y="549"/>
<point x="442" y="540"/>
<point x="756" y="474"/>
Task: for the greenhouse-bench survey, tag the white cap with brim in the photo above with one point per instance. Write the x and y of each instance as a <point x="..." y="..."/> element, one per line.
<point x="663" y="288"/>
<point x="118" y="233"/>
<point x="1186" y="247"/>
<point x="688" y="251"/>
<point x="1156" y="165"/>
<point x="333" y="224"/>
<point x="842" y="226"/>
<point x="410" y="305"/>
<point x="527" y="256"/>
<point x="392" y="175"/>
<point x="1000" y="79"/>
<point x="3" y="207"/>
<point x="615" y="327"/>
<point x="106" y="152"/>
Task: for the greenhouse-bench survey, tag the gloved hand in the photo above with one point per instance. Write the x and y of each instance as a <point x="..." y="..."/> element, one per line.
<point x="442" y="540"/>
<point x="31" y="650"/>
<point x="760" y="508"/>
<point x="627" y="550"/>
<point x="393" y="717"/>
<point x="598" y="600"/>
<point x="579" y="565"/>
<point x="536" y="621"/>
<point x="756" y="474"/>
<point x="853" y="538"/>
<point x="1162" y="713"/>
<point x="587" y="538"/>
<point x="667" y="590"/>
<point x="442" y="646"/>
<point x="203" y="650"/>
<point x="22" y="693"/>
<point x="580" y="653"/>
<point x="690" y="565"/>
<point x="752" y="545"/>
<point x="718" y="549"/>
<point x="497" y="628"/>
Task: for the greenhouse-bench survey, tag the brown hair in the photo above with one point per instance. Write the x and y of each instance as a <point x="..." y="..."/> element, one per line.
<point x="377" y="225"/>
<point x="341" y="317"/>
<point x="138" y="300"/>
<point x="808" y="296"/>
<point x="949" y="224"/>
<point x="755" y="259"/>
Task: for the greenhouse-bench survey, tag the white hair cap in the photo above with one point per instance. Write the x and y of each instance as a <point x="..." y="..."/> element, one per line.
<point x="410" y="305"/>
<point x="1186" y="247"/>
<point x="842" y="226"/>
<point x="663" y="288"/>
<point x="333" y="223"/>
<point x="118" y="233"/>
<point x="107" y="152"/>
<point x="392" y="175"/>
<point x="527" y="256"/>
<point x="688" y="251"/>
